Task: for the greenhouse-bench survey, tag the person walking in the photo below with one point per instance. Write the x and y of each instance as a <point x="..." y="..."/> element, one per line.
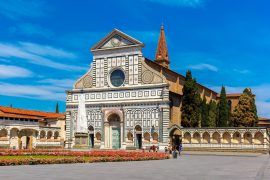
<point x="180" y="147"/>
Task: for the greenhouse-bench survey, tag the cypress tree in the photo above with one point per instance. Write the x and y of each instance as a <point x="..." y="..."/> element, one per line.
<point x="204" y="112"/>
<point x="191" y="112"/>
<point x="57" y="108"/>
<point x="230" y="123"/>
<point x="245" y="113"/>
<point x="223" y="110"/>
<point x="198" y="109"/>
<point x="212" y="114"/>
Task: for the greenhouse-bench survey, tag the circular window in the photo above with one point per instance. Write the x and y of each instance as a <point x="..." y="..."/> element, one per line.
<point x="117" y="78"/>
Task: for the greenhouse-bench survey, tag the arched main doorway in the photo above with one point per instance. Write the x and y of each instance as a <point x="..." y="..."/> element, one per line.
<point x="91" y="137"/>
<point x="138" y="140"/>
<point x="113" y="132"/>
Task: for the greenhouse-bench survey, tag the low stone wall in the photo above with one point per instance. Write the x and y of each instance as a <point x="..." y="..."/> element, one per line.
<point x="250" y="138"/>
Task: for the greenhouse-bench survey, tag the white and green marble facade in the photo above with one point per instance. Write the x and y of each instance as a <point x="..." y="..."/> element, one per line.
<point x="141" y="101"/>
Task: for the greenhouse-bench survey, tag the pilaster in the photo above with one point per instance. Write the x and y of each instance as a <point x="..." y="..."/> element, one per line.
<point x="68" y="130"/>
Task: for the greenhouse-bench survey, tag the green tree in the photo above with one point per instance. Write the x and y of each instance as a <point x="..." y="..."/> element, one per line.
<point x="191" y="111"/>
<point x="254" y="107"/>
<point x="57" y="108"/>
<point x="212" y="114"/>
<point x="204" y="112"/>
<point x="245" y="113"/>
<point x="223" y="110"/>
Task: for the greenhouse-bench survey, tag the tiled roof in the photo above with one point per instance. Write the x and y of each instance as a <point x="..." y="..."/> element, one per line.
<point x="264" y="119"/>
<point x="19" y="116"/>
<point x="153" y="63"/>
<point x="23" y="113"/>
<point x="264" y="123"/>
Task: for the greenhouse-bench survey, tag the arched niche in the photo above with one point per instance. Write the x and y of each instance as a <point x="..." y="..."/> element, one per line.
<point x="206" y="138"/>
<point x="226" y="138"/>
<point x="215" y="138"/>
<point x="196" y="138"/>
<point x="187" y="138"/>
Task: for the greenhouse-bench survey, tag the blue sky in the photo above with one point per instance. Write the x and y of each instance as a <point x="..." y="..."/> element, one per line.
<point x="44" y="45"/>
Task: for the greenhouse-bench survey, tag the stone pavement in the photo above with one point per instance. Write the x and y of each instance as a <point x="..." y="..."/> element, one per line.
<point x="187" y="167"/>
<point x="218" y="153"/>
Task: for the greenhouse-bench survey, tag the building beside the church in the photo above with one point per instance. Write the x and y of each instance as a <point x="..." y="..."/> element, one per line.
<point x="128" y="101"/>
<point x="28" y="129"/>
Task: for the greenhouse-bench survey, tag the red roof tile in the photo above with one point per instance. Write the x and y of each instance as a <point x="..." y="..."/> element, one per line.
<point x="264" y="119"/>
<point x="264" y="123"/>
<point x="22" y="112"/>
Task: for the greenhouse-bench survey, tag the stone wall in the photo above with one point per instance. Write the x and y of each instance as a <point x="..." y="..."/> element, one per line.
<point x="223" y="138"/>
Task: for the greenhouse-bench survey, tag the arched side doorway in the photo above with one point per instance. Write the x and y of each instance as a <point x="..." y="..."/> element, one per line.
<point x="138" y="140"/>
<point x="113" y="132"/>
<point x="27" y="138"/>
<point x="91" y="137"/>
<point x="176" y="137"/>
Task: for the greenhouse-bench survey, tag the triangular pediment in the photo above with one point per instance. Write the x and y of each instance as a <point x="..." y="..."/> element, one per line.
<point x="116" y="39"/>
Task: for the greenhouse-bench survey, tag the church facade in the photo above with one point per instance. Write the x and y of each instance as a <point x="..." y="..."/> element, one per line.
<point x="126" y="101"/>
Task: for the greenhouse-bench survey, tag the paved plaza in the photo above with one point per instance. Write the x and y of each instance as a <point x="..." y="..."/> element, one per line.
<point x="200" y="167"/>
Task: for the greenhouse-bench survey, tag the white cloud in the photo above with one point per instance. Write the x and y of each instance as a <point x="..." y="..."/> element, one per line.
<point x="263" y="108"/>
<point x="33" y="92"/>
<point x="13" y="71"/>
<point x="80" y="40"/>
<point x="204" y="66"/>
<point x="145" y="36"/>
<point x="31" y="30"/>
<point x="46" y="89"/>
<point x="38" y="54"/>
<point x="242" y="71"/>
<point x="67" y="83"/>
<point x="4" y="60"/>
<point x="262" y="93"/>
<point x="44" y="50"/>
<point x="185" y="3"/>
<point x="22" y="8"/>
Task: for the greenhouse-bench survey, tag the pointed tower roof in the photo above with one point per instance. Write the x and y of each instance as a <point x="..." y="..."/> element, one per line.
<point x="162" y="56"/>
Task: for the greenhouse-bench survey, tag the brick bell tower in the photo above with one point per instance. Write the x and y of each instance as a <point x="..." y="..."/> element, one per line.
<point x="162" y="57"/>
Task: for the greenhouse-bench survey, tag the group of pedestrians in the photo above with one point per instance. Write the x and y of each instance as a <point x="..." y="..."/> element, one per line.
<point x="174" y="150"/>
<point x="153" y="148"/>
